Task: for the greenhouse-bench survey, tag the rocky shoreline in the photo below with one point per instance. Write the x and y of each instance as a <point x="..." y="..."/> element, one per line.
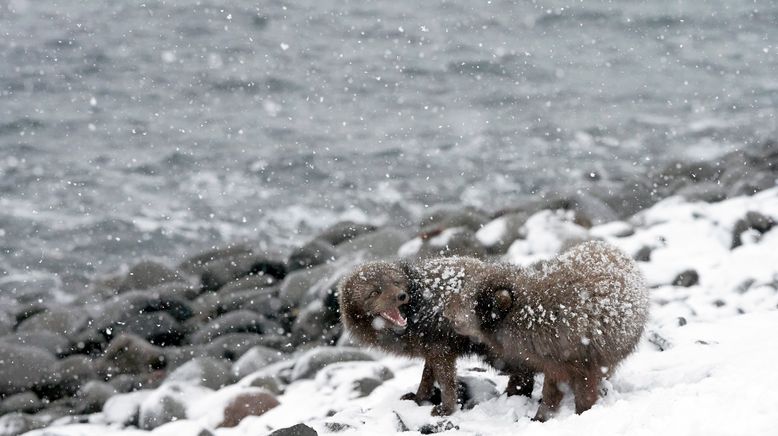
<point x="239" y="326"/>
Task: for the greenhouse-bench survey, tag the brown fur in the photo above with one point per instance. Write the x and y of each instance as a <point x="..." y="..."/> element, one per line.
<point x="427" y="335"/>
<point x="574" y="318"/>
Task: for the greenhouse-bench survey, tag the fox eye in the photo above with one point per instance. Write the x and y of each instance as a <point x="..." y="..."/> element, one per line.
<point x="374" y="294"/>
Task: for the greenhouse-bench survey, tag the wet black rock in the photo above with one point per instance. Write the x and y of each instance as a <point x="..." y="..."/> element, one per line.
<point x="25" y="402"/>
<point x="24" y="368"/>
<point x="263" y="301"/>
<point x="241" y="321"/>
<point x="204" y="371"/>
<point x="315" y="252"/>
<point x="298" y="288"/>
<point x="345" y="231"/>
<point x="270" y="383"/>
<point x="438" y="427"/>
<point x="130" y="354"/>
<point x="254" y="359"/>
<point x="366" y="385"/>
<point x="147" y="275"/>
<point x="686" y="279"/>
<point x="317" y="358"/>
<point x="295" y="430"/>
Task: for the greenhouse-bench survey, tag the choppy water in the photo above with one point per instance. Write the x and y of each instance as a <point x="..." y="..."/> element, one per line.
<point x="132" y="131"/>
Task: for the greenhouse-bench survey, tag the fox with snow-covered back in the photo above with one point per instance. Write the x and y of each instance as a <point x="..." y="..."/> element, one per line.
<point x="397" y="307"/>
<point x="574" y="317"/>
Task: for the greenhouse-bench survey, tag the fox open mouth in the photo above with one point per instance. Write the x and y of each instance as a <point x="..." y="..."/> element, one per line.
<point x="395" y="317"/>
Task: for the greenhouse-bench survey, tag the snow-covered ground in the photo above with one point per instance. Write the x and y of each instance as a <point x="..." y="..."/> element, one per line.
<point x="706" y="364"/>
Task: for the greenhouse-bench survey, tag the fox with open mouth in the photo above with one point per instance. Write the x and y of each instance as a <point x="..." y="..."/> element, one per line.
<point x="397" y="307"/>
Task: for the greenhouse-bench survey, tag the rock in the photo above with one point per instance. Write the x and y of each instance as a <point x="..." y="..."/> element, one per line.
<point x="739" y="228"/>
<point x="15" y="424"/>
<point x="23" y="368"/>
<point x="438" y="427"/>
<point x="344" y="231"/>
<point x="7" y="323"/>
<point x="147" y="275"/>
<point x="233" y="345"/>
<point x="74" y="371"/>
<point x="477" y="390"/>
<point x="759" y="222"/>
<point x="65" y="321"/>
<point x="444" y="217"/>
<point x="254" y="282"/>
<point x="118" y="310"/>
<point x="124" y="383"/>
<point x="336" y="427"/>
<point x="643" y="254"/>
<point x="53" y="343"/>
<point x="295" y="430"/>
<point x="93" y="395"/>
<point x="296" y="285"/>
<point x="709" y="192"/>
<point x="497" y="235"/>
<point x="25" y="402"/>
<point x="263" y="301"/>
<point x="247" y="404"/>
<point x="203" y="371"/>
<point x="220" y="272"/>
<point x="270" y="383"/>
<point x="687" y="278"/>
<point x="27" y="310"/>
<point x="130" y="354"/>
<point x="123" y="409"/>
<point x="319" y="322"/>
<point x="195" y="265"/>
<point x="241" y="321"/>
<point x="677" y="175"/>
<point x="160" y="407"/>
<point x="315" y="252"/>
<point x="383" y="243"/>
<point x="317" y="358"/>
<point x="458" y="241"/>
<point x="365" y="386"/>
<point x="158" y="328"/>
<point x="178" y="291"/>
<point x="255" y="359"/>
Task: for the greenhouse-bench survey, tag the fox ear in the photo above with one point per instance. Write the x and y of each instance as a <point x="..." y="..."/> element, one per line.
<point x="503" y="300"/>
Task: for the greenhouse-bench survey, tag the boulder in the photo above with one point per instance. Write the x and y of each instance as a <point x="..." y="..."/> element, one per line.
<point x="240" y="321"/>
<point x="64" y="321"/>
<point x="160" y="407"/>
<point x="344" y="231"/>
<point x="295" y="430"/>
<point x="25" y="402"/>
<point x="203" y="371"/>
<point x="317" y="358"/>
<point x="255" y="359"/>
<point x="123" y="409"/>
<point x="315" y="252"/>
<point x="53" y="343"/>
<point x="93" y="395"/>
<point x="319" y="322"/>
<point x="15" y="424"/>
<point x="148" y="274"/>
<point x="158" y="328"/>
<point x="759" y="221"/>
<point x="445" y="217"/>
<point x="195" y="265"/>
<point x="130" y="354"/>
<point x="383" y="243"/>
<point x="218" y="273"/>
<point x="233" y="345"/>
<point x="686" y="278"/>
<point x="23" y="368"/>
<point x="643" y="254"/>
<point x="74" y="371"/>
<point x="270" y="383"/>
<point x="254" y="282"/>
<point x="457" y="241"/>
<point x="247" y="404"/>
